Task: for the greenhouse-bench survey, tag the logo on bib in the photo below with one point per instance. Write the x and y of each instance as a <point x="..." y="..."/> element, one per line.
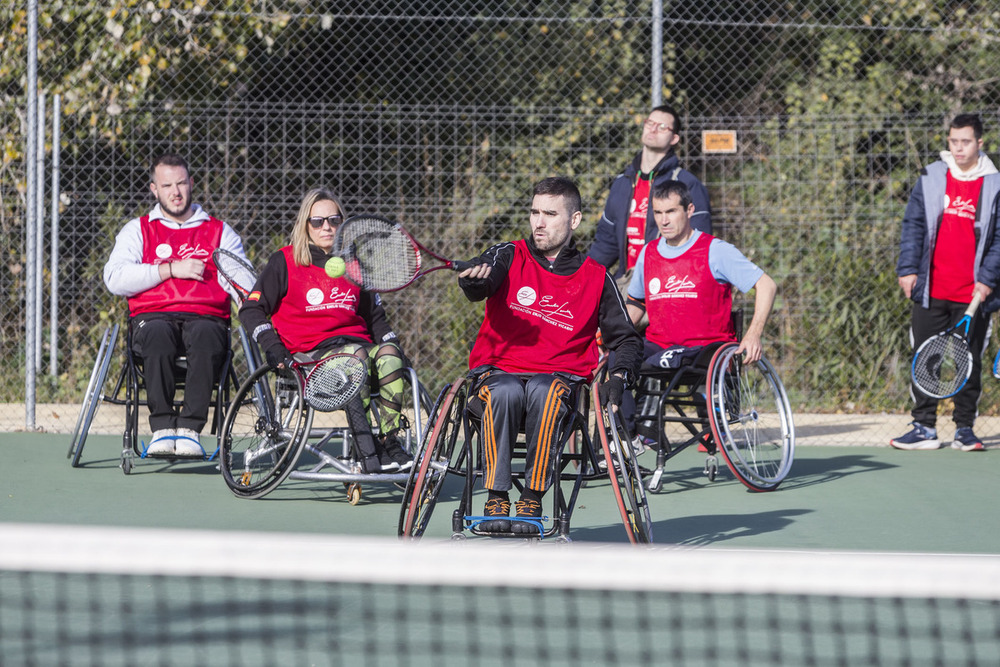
<point x="314" y="296"/>
<point x="654" y="286"/>
<point x="526" y="296"/>
<point x="164" y="250"/>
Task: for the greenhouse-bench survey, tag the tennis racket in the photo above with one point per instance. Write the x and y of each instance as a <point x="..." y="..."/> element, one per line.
<point x="943" y="362"/>
<point x="236" y="270"/>
<point x="381" y="256"/>
<point x="331" y="382"/>
<point x="996" y="365"/>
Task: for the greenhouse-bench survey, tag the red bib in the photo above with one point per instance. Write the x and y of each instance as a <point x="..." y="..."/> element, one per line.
<point x="686" y="304"/>
<point x="953" y="272"/>
<point x="161" y="244"/>
<point x="316" y="308"/>
<point x="635" y="229"/>
<point x="538" y="322"/>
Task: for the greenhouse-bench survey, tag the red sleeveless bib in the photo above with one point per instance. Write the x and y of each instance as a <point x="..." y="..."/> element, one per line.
<point x="685" y="303"/>
<point x="538" y="322"/>
<point x="161" y="244"/>
<point x="316" y="308"/>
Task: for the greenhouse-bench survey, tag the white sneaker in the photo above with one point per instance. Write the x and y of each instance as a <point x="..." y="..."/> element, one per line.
<point x="188" y="443"/>
<point x="162" y="443"/>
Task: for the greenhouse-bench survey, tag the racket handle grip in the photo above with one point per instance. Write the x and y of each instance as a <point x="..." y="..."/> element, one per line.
<point x="462" y="266"/>
<point x="974" y="305"/>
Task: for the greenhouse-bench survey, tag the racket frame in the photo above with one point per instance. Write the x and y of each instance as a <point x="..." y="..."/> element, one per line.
<point x="240" y="289"/>
<point x="419" y="250"/>
<point x="962" y="326"/>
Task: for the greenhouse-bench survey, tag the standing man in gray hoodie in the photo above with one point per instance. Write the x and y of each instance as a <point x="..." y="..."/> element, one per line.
<point x="947" y="254"/>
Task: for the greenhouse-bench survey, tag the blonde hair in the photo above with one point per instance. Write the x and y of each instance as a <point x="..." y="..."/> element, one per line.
<point x="300" y="232"/>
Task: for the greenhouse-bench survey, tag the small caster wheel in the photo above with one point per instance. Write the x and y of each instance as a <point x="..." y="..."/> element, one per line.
<point x="711" y="468"/>
<point x="126" y="464"/>
<point x="655" y="484"/>
<point x="354" y="493"/>
<point x="458" y="537"/>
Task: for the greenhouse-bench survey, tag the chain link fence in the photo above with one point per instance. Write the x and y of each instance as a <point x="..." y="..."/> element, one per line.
<point x="443" y="114"/>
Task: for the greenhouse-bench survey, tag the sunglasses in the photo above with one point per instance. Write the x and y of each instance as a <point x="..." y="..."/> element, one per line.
<point x="317" y="222"/>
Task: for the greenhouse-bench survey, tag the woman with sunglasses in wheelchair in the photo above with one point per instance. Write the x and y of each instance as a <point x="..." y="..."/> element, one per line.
<point x="296" y="312"/>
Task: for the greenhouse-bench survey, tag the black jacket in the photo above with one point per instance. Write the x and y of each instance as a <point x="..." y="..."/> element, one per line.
<point x="609" y="243"/>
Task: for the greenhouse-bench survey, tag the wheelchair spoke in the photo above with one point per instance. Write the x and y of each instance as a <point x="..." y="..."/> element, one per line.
<point x="263" y="433"/>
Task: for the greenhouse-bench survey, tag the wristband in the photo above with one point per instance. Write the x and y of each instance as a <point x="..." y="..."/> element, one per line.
<point x="170" y="268"/>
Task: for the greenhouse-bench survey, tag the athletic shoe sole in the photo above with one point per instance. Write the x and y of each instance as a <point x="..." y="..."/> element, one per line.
<point x="910" y="446"/>
<point x="974" y="447"/>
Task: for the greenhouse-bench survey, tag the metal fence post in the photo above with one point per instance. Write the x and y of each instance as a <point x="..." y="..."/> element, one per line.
<point x="656" y="55"/>
<point x="29" y="228"/>
<point x="39" y="230"/>
<point x="54" y="246"/>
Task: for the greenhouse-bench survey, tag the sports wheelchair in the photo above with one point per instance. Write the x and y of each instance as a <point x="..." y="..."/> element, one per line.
<point x="129" y="391"/>
<point x="453" y="446"/>
<point x="715" y="400"/>
<point x="270" y="424"/>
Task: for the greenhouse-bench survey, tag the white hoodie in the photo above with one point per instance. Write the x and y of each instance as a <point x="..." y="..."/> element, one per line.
<point x="983" y="167"/>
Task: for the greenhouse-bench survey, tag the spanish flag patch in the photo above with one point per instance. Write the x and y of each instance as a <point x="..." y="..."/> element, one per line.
<point x="254" y="296"/>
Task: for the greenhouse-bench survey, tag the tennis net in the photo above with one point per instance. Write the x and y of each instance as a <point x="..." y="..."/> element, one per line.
<point x="103" y="596"/>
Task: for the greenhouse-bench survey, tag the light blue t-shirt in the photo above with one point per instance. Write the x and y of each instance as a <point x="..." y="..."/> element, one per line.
<point x="725" y="261"/>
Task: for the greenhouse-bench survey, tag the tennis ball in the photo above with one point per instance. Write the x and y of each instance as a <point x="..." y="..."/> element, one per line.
<point x="335" y="267"/>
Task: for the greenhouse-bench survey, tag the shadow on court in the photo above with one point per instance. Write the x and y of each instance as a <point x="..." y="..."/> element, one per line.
<point x="717" y="529"/>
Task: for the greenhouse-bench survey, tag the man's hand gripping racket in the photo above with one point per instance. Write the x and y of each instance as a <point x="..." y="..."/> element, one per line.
<point x="380" y="256"/>
<point x="943" y="363"/>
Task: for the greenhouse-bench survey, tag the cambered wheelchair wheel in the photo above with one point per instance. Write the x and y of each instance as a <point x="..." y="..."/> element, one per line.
<point x="262" y="437"/>
<point x="428" y="476"/>
<point x="750" y="419"/>
<point x="626" y="478"/>
<point x="94" y="395"/>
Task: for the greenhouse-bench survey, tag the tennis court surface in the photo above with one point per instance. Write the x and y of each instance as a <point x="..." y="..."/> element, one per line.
<point x="865" y="555"/>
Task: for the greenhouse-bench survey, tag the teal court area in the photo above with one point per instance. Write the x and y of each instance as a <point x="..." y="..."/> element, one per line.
<point x="836" y="498"/>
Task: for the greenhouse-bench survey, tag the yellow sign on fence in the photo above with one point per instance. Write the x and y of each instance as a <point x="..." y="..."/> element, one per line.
<point x="718" y="141"/>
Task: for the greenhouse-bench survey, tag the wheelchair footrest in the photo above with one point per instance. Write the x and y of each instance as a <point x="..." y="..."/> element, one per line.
<point x="472" y="524"/>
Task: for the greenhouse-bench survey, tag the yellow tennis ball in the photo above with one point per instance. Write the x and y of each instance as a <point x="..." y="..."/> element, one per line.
<point x="335" y="267"/>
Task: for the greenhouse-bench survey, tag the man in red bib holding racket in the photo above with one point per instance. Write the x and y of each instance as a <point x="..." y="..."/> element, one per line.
<point x="947" y="254"/>
<point x="545" y="301"/>
<point x="178" y="302"/>
<point x="683" y="282"/>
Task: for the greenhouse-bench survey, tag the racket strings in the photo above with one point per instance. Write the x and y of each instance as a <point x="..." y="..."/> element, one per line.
<point x="233" y="269"/>
<point x="942" y="365"/>
<point x="333" y="382"/>
<point x="378" y="254"/>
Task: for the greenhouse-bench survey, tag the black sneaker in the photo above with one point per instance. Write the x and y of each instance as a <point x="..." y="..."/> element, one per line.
<point x="527" y="509"/>
<point x="967" y="441"/>
<point x="396" y="453"/>
<point x="371" y="464"/>
<point x="498" y="507"/>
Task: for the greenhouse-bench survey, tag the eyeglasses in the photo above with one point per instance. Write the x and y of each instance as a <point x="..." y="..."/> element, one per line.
<point x="657" y="127"/>
<point x="317" y="222"/>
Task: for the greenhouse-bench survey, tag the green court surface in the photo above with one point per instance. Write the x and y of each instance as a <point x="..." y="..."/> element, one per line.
<point x="836" y="498"/>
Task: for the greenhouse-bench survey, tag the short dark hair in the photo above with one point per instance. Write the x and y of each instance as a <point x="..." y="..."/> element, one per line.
<point x="560" y="186"/>
<point x="667" y="108"/>
<point x="968" y="120"/>
<point x="667" y="189"/>
<point x="168" y="160"/>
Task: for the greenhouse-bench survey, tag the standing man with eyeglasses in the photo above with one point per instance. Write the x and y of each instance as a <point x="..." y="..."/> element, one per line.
<point x="627" y="223"/>
<point x="178" y="302"/>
